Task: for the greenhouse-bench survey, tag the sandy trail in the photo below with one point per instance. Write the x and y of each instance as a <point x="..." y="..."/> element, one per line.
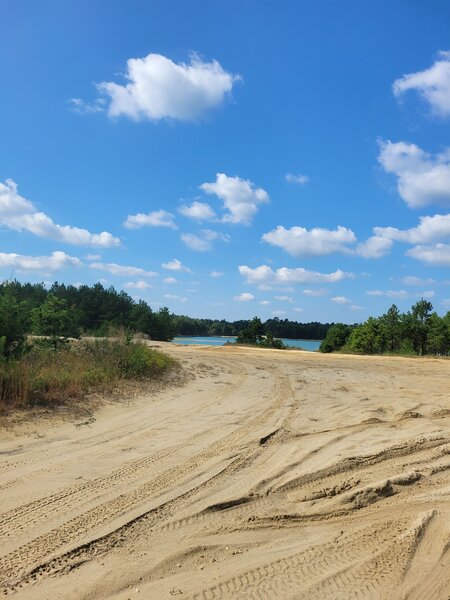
<point x="270" y="475"/>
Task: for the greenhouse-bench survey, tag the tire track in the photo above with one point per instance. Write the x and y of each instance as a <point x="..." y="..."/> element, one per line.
<point x="16" y="563"/>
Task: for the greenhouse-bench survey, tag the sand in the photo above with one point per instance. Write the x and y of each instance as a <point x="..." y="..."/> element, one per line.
<point x="271" y="474"/>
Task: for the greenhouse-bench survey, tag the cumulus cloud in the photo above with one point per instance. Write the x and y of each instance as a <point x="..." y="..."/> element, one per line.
<point x="19" y="214"/>
<point x="264" y="275"/>
<point x="302" y="242"/>
<point x="422" y="178"/>
<point x="300" y="179"/>
<point x="87" y="108"/>
<point x="170" y="280"/>
<point x="298" y="309"/>
<point x="157" y="218"/>
<point x="137" y="285"/>
<point x="42" y="264"/>
<point x="122" y="270"/>
<point x="279" y="313"/>
<point x="435" y="254"/>
<point x="430" y="229"/>
<point x="210" y="235"/>
<point x="315" y="293"/>
<point x="216" y="274"/>
<point x="202" y="242"/>
<point x="240" y="197"/>
<point x="157" y="88"/>
<point x="340" y="300"/>
<point x="374" y="247"/>
<point x="432" y="84"/>
<point x="244" y="297"/>
<point x="396" y="294"/>
<point x="413" y="280"/>
<point x="175" y="265"/>
<point x="194" y="242"/>
<point x="399" y="294"/>
<point x="285" y="299"/>
<point x="199" y="211"/>
<point x="175" y="297"/>
<point x="264" y="302"/>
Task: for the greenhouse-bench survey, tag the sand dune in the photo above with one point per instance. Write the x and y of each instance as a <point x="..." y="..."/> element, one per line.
<point x="270" y="474"/>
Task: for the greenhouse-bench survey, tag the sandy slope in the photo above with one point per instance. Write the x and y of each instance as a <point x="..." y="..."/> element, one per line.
<point x="271" y="475"/>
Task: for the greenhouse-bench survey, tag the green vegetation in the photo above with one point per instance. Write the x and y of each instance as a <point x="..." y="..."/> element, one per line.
<point x="255" y="335"/>
<point x="51" y="370"/>
<point x="280" y="328"/>
<point x="419" y="331"/>
<point x="45" y="376"/>
<point x="97" y="310"/>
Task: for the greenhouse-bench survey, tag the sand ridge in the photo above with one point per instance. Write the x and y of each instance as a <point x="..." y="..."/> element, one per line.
<point x="270" y="474"/>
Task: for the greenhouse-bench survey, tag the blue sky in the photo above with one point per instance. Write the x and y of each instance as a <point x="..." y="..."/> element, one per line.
<point x="227" y="159"/>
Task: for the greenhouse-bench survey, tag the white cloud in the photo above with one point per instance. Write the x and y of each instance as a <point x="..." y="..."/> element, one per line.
<point x="137" y="285"/>
<point x="175" y="265"/>
<point x="157" y="88"/>
<point x="216" y="274"/>
<point x="413" y="280"/>
<point x="389" y="293"/>
<point x="285" y="299"/>
<point x="239" y="196"/>
<point x="42" y="264"/>
<point x="437" y="254"/>
<point x="427" y="294"/>
<point x="19" y="214"/>
<point x="264" y="275"/>
<point x="302" y="242"/>
<point x="170" y="280"/>
<point x="211" y="235"/>
<point x="340" y="300"/>
<point x="430" y="229"/>
<point x="315" y="293"/>
<point x="86" y="108"/>
<point x="421" y="178"/>
<point x="157" y="218"/>
<point x="401" y="294"/>
<point x="356" y="307"/>
<point x="374" y="247"/>
<point x="175" y="297"/>
<point x="199" y="211"/>
<point x="300" y="179"/>
<point x="244" y="297"/>
<point x="264" y="302"/>
<point x="93" y="257"/>
<point x="279" y="313"/>
<point x="396" y="294"/>
<point x="433" y="85"/>
<point x="298" y="309"/>
<point x="122" y="270"/>
<point x="202" y="243"/>
<point x="194" y="242"/>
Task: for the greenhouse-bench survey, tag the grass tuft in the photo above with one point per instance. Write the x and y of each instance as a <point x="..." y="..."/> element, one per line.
<point x="48" y="377"/>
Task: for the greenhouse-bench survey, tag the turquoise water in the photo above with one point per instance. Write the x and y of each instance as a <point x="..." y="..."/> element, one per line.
<point x="311" y="345"/>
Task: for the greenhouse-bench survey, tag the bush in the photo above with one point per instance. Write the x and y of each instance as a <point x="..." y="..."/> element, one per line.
<point x="336" y="337"/>
<point x="47" y="377"/>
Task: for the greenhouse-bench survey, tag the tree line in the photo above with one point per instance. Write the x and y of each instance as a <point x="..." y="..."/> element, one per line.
<point x="280" y="328"/>
<point x="419" y="331"/>
<point x="68" y="311"/>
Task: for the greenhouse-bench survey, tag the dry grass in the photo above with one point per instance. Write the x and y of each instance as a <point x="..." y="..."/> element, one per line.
<point x="46" y="377"/>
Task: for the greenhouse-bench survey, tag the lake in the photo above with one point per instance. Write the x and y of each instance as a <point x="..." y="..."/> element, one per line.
<point x="311" y="345"/>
